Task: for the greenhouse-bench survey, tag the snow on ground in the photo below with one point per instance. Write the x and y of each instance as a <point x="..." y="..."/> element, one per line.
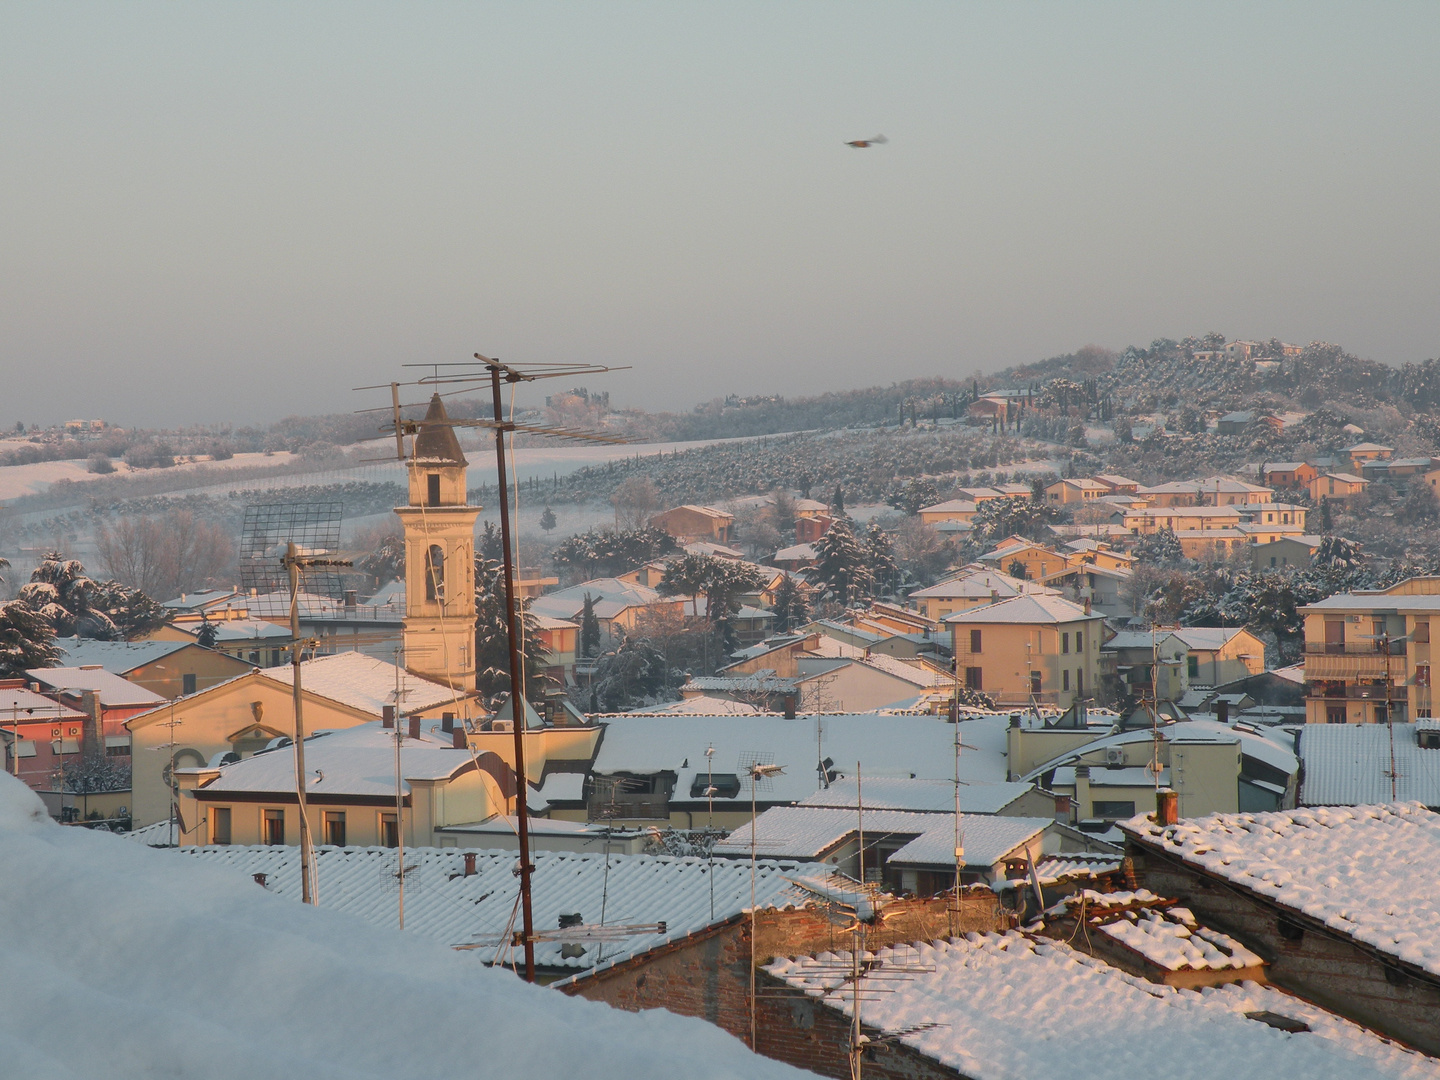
<point x="1010" y="1007"/>
<point x="17" y="480"/>
<point x="1370" y="872"/>
<point x="119" y="961"/>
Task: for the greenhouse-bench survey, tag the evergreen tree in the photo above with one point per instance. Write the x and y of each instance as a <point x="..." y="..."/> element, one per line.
<point x="27" y="640"/>
<point x="492" y="642"/>
<point x="547" y="520"/>
<point x="783" y="607"/>
<point x="206" y="635"/>
<point x="589" y="629"/>
<point x="837" y="502"/>
<point x="882" y="570"/>
<point x="840" y="563"/>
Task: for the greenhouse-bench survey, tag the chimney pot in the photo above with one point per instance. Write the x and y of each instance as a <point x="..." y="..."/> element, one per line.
<point x="469" y="864"/>
<point x="414" y="727"/>
<point x="1062" y="809"/>
<point x="1167" y="807"/>
<point x="387" y="716"/>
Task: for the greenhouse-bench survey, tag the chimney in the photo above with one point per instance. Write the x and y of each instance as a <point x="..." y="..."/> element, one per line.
<point x="414" y="727"/>
<point x="1087" y="605"/>
<point x="350" y="601"/>
<point x="447" y="722"/>
<point x="1015" y="720"/>
<point x="1062" y="809"/>
<point x="1167" y="807"/>
<point x="94" y="744"/>
<point x="1082" y="791"/>
<point x="458" y="740"/>
<point x="1222" y="711"/>
<point x="788" y="704"/>
<point x="260" y="880"/>
<point x="469" y="864"/>
<point x="387" y="716"/>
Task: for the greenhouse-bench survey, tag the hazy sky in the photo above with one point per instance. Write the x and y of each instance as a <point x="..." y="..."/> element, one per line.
<point x="236" y="211"/>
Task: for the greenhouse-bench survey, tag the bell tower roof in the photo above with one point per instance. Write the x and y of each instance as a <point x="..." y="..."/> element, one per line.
<point x="436" y="444"/>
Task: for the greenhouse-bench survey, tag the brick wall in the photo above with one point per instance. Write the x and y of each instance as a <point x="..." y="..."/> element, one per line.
<point x="708" y="976"/>
<point x="1324" y="967"/>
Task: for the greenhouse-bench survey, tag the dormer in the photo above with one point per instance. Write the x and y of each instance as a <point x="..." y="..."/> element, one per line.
<point x="437" y="464"/>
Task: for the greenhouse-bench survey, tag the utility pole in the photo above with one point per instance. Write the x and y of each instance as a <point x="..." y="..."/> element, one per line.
<point x="517" y="679"/>
<point x="307" y="847"/>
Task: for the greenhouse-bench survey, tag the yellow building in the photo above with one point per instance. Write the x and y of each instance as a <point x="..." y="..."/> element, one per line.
<point x="1074" y="492"/>
<point x="1337" y="486"/>
<point x="244" y="714"/>
<point x="1368" y="654"/>
<point x="975" y="586"/>
<point x="691" y="522"/>
<point x="1038" y="560"/>
<point x="957" y="510"/>
<point x="439" y="557"/>
<point x="1043" y="649"/>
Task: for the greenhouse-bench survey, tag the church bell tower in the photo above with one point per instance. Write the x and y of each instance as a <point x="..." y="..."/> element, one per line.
<point x="439" y="557"/>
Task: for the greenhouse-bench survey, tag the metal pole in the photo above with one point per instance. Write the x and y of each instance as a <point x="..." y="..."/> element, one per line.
<point x="517" y="684"/>
<point x="307" y="851"/>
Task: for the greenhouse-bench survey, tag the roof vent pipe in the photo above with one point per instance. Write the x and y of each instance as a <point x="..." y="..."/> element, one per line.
<point x="469" y="864"/>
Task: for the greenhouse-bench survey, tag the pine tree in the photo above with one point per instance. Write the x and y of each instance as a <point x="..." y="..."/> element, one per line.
<point x="589" y="628"/>
<point x="881" y="568"/>
<point x="837" y="502"/>
<point x="27" y="640"/>
<point x="206" y="635"/>
<point x="492" y="641"/>
<point x="840" y="562"/>
<point x="547" y="520"/>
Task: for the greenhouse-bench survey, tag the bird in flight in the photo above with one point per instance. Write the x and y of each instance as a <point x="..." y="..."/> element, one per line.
<point x="862" y="144"/>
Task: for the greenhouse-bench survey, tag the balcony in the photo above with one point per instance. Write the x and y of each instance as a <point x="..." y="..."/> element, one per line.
<point x="644" y="807"/>
<point x="1354" y="648"/>
<point x="1398" y="694"/>
<point x="1350" y="667"/>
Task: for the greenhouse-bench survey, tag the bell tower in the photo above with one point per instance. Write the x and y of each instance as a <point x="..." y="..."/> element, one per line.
<point x="439" y="557"/>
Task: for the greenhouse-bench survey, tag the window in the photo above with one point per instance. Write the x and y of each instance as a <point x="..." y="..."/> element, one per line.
<point x="1112" y="809"/>
<point x="121" y="749"/>
<point x="1035" y="682"/>
<point x="975" y="641"/>
<point x="1079" y="680"/>
<point x="726" y="785"/>
<point x="1335" y="714"/>
<point x="274" y="657"/>
<point x="187" y="684"/>
<point x="273" y="825"/>
<point x="335" y="828"/>
<point x="432" y="489"/>
<point x="435" y="572"/>
<point x="1080" y="634"/>
<point x="1192" y="666"/>
<point x="1065" y="679"/>
<point x="1422" y="631"/>
<point x="974" y="679"/>
<point x="1422" y="674"/>
<point x="1064" y="643"/>
<point x="389" y="832"/>
<point x="220" y="824"/>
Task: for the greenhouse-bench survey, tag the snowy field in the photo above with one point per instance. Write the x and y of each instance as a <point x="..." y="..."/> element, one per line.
<point x="17" y="480"/>
<point x="117" y="961"/>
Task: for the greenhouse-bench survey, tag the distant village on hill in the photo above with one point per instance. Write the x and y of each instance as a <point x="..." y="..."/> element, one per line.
<point x="854" y="724"/>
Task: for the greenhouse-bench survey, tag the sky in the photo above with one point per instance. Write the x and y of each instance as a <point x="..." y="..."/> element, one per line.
<point x="234" y="212"/>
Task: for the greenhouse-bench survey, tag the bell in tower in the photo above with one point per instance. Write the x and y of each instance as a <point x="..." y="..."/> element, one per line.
<point x="439" y="557"/>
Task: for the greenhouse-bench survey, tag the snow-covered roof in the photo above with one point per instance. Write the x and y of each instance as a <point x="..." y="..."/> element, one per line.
<point x="1027" y="609"/>
<point x="232" y="630"/>
<point x="978" y="583"/>
<point x="812" y="832"/>
<point x="196" y="600"/>
<point x="1368" y="872"/>
<point x="699" y="705"/>
<point x="446" y="906"/>
<point x="111" y="688"/>
<point x="951" y="506"/>
<point x="116" y="656"/>
<point x="796" y="553"/>
<point x="186" y="966"/>
<point x="997" y="1007"/>
<point x="1350" y="764"/>
<point x="350" y="762"/>
<point x="904" y="746"/>
<point x="1261" y="747"/>
<point x="1207" y="638"/>
<point x="1067" y="867"/>
<point x="366" y="683"/>
<point x="1172" y="939"/>
<point x="924" y="796"/>
<point x="21" y="704"/>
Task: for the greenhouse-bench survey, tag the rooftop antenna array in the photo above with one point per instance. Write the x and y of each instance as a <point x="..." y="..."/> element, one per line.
<point x="267" y="529"/>
<point x="760" y="767"/>
<point x="463" y="377"/>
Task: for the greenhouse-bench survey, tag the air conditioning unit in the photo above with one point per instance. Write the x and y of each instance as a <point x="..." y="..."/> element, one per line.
<point x="1114" y="755"/>
<point x="502" y="725"/>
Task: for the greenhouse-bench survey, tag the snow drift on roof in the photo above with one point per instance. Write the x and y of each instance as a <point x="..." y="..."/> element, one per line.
<point x="184" y="969"/>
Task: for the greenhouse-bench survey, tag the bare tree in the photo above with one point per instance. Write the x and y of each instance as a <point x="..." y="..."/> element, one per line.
<point x="164" y="556"/>
<point x="635" y="501"/>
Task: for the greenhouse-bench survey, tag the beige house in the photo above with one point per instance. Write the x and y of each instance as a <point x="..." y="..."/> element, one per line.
<point x="350" y="800"/>
<point x="1043" y="649"/>
<point x="1360" y="453"/>
<point x="1337" y="486"/>
<point x="958" y="510"/>
<point x="691" y="522"/>
<point x="168" y="668"/>
<point x="1075" y="492"/>
<point x="1368" y="654"/>
<point x="243" y="715"/>
<point x="1038" y="560"/>
<point x="975" y="586"/>
<point x="1216" y="655"/>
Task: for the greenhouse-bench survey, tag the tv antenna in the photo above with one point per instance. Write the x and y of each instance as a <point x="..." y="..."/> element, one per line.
<point x="468" y="375"/>
<point x="760" y="767"/>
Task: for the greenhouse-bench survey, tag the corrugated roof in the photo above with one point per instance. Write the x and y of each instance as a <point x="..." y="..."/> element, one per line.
<point x="1349" y="764"/>
<point x="443" y="904"/>
<point x="111" y="688"/>
<point x="921" y="796"/>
